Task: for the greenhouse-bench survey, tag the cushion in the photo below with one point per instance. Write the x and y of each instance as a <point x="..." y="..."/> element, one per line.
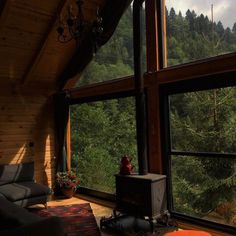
<point x="42" y="199"/>
<point x="16" y="173"/>
<point x="17" y="191"/>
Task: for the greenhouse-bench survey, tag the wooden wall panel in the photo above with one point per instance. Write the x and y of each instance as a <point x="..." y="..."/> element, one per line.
<point x="27" y="129"/>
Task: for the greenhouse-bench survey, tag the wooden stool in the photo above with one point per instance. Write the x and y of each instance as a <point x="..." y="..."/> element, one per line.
<point x="188" y="233"/>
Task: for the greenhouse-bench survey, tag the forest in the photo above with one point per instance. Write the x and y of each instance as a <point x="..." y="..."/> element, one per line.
<point x="202" y="121"/>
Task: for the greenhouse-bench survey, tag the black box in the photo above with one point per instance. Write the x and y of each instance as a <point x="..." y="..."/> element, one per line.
<point x="141" y="195"/>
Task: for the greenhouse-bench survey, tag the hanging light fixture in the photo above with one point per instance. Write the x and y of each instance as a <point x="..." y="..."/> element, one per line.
<point x="73" y="25"/>
<point x="97" y="30"/>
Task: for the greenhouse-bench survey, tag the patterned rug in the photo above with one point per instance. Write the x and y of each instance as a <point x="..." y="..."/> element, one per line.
<point x="78" y="219"/>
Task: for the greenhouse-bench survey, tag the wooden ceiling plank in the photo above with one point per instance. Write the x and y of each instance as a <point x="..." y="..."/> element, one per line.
<point x="37" y="56"/>
<point x="37" y="6"/>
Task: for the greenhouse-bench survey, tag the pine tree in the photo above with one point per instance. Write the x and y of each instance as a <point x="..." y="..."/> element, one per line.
<point x="203" y="122"/>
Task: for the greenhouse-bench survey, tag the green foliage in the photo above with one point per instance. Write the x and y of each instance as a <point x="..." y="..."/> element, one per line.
<point x="102" y="132"/>
<point x="115" y="59"/>
<point x="203" y="121"/>
<point x="200" y="121"/>
<point x="195" y="37"/>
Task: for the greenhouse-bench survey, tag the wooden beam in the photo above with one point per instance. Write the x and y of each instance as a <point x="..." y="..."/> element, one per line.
<point x="72" y="82"/>
<point x="197" y="69"/>
<point x="68" y="144"/>
<point x="108" y="87"/>
<point x="164" y="40"/>
<point x="37" y="56"/>
<point x="151" y="36"/>
<point x="154" y="63"/>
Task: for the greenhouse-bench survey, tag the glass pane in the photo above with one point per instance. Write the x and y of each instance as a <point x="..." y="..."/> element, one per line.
<point x="115" y="59"/>
<point x="204" y="121"/>
<point x="199" y="29"/>
<point x="205" y="188"/>
<point x="101" y="133"/>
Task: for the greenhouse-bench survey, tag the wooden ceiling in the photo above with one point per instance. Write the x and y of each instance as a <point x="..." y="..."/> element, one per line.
<point x="29" y="49"/>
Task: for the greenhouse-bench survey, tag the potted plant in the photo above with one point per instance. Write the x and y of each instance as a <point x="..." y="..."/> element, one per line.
<point x="68" y="182"/>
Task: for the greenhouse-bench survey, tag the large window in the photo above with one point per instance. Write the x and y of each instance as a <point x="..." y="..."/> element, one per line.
<point x="101" y="133"/>
<point x="204" y="121"/>
<point x="199" y="29"/>
<point x="201" y="151"/>
<point x="198" y="110"/>
<point x="199" y="115"/>
<point x="116" y="58"/>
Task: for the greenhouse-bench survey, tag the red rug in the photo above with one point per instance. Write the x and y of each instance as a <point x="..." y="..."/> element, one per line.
<point x="78" y="219"/>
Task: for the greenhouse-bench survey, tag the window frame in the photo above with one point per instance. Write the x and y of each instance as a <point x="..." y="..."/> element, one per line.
<point x="116" y="88"/>
<point x="77" y="100"/>
<point x="189" y="85"/>
<point x="155" y="79"/>
<point x="199" y="74"/>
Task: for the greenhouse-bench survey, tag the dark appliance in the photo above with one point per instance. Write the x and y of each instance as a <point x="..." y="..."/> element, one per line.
<point x="141" y="195"/>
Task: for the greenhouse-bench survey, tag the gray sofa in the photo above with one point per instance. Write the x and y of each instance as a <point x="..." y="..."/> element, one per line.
<point x="17" y="190"/>
<point x="18" y="186"/>
<point x="17" y="221"/>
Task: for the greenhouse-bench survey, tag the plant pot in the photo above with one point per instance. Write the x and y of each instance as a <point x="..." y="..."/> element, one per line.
<point x="68" y="192"/>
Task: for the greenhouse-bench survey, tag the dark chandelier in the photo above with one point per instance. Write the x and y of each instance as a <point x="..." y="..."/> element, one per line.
<point x="74" y="24"/>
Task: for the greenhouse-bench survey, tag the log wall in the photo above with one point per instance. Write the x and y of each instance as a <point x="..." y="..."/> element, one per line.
<point x="27" y="129"/>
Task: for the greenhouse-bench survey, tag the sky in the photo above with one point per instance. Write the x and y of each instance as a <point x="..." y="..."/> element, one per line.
<point x="224" y="10"/>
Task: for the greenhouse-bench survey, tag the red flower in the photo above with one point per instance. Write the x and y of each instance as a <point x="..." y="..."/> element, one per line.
<point x="67" y="180"/>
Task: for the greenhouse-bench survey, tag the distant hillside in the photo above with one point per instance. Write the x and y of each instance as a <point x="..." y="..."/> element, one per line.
<point x="195" y="37"/>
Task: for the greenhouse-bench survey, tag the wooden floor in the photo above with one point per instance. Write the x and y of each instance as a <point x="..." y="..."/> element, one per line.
<point x="99" y="210"/>
<point x="104" y="208"/>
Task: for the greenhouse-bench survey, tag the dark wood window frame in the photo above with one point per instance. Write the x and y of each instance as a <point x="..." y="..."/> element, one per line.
<point x="208" y="82"/>
<point x="200" y="75"/>
<point x="117" y="88"/>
